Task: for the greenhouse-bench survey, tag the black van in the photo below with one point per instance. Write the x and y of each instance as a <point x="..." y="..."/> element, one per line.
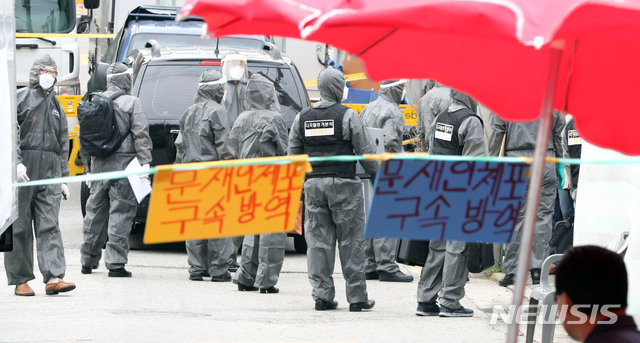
<point x="165" y="80"/>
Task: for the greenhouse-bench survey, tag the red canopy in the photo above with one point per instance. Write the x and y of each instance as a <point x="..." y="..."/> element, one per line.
<point x="499" y="52"/>
<point x="496" y="50"/>
<point x="264" y="17"/>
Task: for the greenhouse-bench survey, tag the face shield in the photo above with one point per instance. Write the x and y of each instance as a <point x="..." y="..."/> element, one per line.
<point x="234" y="68"/>
<point x="397" y="89"/>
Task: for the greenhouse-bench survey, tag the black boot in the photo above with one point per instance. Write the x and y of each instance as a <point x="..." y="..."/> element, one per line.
<point x="224" y="277"/>
<point x="271" y="289"/>
<point x="535" y="276"/>
<point x="372" y="275"/>
<point x="507" y="281"/>
<point x="245" y="288"/>
<point x="322" y="305"/>
<point x="357" y="307"/>
<point x="88" y="269"/>
<point x="398" y="276"/>
<point x="119" y="272"/>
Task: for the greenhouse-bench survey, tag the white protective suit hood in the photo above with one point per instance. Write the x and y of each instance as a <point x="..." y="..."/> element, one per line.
<point x="34" y="72"/>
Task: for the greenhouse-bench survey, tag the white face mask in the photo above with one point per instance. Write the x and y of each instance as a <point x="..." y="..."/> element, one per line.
<point x="345" y="93"/>
<point x="46" y="81"/>
<point x="236" y="73"/>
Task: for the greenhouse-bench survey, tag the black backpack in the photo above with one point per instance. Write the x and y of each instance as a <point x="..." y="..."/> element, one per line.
<point x="99" y="133"/>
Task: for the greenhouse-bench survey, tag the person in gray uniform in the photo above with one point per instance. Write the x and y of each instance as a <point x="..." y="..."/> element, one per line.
<point x="520" y="141"/>
<point x="260" y="131"/>
<point x="204" y="132"/>
<point x="458" y="131"/>
<point x="437" y="100"/>
<point x="385" y="114"/>
<point x="234" y="70"/>
<point x="112" y="204"/>
<point x="334" y="209"/>
<point x="43" y="150"/>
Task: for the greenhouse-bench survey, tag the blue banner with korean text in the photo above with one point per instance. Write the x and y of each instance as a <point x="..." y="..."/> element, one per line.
<point x="447" y="200"/>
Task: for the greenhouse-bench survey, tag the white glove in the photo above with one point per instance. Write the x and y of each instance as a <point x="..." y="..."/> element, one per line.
<point x="21" y="172"/>
<point x="145" y="177"/>
<point x="88" y="182"/>
<point x="65" y="191"/>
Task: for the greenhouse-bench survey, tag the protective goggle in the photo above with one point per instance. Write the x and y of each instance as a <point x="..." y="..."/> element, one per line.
<point x="48" y="71"/>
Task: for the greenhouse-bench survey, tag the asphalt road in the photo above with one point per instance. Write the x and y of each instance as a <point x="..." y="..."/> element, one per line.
<point x="159" y="303"/>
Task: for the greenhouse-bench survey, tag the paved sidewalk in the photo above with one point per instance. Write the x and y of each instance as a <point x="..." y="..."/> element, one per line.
<point x="160" y="304"/>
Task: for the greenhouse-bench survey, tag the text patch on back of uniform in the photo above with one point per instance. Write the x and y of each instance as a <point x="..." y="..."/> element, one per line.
<point x="573" y="137"/>
<point x="315" y="128"/>
<point x="444" y="132"/>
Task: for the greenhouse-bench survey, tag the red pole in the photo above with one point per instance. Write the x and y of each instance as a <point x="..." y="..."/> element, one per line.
<point x="535" y="185"/>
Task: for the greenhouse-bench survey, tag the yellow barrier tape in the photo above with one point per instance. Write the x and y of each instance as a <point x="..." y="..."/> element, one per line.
<point x="64" y="35"/>
<point x="349" y="78"/>
<point x="412" y="140"/>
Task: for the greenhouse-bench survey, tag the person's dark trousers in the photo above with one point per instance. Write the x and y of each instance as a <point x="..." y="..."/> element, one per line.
<point x="566" y="204"/>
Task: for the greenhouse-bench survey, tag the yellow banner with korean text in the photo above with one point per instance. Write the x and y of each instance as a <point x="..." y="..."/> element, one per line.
<point x="225" y="198"/>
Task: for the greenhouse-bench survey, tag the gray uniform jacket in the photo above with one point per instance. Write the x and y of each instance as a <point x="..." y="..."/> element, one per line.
<point x="259" y="131"/>
<point x="470" y="134"/>
<point x="385" y="114"/>
<point x="522" y="136"/>
<point x="435" y="101"/>
<point x="354" y="131"/>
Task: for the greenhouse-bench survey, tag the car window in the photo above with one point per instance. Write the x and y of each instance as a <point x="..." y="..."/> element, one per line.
<point x="139" y="40"/>
<point x="167" y="90"/>
<point x="110" y="55"/>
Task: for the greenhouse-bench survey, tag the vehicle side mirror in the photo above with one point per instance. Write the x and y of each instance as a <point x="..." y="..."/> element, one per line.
<point x="91" y="4"/>
<point x="100" y="77"/>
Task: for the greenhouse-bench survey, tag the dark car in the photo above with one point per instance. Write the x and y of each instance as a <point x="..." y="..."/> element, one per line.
<point x="144" y="23"/>
<point x="165" y="80"/>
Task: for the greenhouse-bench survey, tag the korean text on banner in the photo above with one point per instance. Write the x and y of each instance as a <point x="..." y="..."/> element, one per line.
<point x="447" y="200"/>
<point x="225" y="201"/>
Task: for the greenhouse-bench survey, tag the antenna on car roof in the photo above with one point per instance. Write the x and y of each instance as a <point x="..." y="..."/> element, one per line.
<point x="155" y="47"/>
<point x="217" y="43"/>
